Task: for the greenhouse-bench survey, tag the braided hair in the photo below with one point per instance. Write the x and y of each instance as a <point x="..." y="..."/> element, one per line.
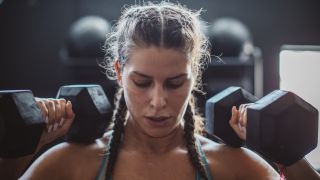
<point x="119" y="116"/>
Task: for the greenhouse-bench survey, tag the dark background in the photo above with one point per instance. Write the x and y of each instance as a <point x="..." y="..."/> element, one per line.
<point x="32" y="33"/>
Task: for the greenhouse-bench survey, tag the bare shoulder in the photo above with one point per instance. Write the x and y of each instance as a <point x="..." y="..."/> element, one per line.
<point x="235" y="163"/>
<point x="69" y="161"/>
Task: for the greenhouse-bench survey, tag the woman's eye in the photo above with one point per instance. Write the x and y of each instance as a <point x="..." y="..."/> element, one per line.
<point x="174" y="84"/>
<point x="142" y="84"/>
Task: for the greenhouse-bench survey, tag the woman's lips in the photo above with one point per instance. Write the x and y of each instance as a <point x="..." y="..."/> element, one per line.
<point x="162" y="118"/>
<point x="157" y="121"/>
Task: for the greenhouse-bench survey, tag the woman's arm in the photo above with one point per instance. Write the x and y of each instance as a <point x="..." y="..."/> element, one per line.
<point x="69" y="161"/>
<point x="301" y="170"/>
<point x="50" y="165"/>
<point x="13" y="168"/>
<point x="236" y="163"/>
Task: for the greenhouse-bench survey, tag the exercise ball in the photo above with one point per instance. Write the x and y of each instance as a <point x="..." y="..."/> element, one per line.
<point x="87" y="36"/>
<point x="229" y="37"/>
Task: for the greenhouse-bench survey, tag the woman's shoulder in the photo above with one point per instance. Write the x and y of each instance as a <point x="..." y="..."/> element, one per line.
<point x="67" y="160"/>
<point x="226" y="161"/>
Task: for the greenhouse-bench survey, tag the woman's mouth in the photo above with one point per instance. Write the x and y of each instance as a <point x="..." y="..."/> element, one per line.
<point x="157" y="121"/>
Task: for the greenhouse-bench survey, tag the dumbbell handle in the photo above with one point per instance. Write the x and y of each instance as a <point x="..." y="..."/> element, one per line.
<point x="55" y="112"/>
<point x="218" y="113"/>
<point x="58" y="115"/>
<point x="238" y="120"/>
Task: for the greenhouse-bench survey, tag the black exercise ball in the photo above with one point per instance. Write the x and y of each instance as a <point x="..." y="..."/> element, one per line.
<point x="228" y="37"/>
<point x="87" y="36"/>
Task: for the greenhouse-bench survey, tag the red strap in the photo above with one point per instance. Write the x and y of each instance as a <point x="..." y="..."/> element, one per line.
<point x="282" y="171"/>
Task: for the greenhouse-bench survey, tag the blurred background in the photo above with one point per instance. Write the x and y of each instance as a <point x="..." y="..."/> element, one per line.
<point x="45" y="44"/>
<point x="34" y="32"/>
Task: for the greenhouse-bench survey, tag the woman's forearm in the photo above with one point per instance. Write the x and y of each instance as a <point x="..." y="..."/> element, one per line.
<point x="13" y="168"/>
<point x="301" y="170"/>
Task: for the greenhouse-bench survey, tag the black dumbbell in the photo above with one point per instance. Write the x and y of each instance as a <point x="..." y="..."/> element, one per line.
<point x="218" y="113"/>
<point x="22" y="123"/>
<point x="281" y="126"/>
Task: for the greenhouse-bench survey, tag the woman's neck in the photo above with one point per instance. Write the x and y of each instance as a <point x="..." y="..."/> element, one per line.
<point x="135" y="139"/>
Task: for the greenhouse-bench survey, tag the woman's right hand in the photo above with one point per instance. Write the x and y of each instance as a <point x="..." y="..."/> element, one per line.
<point x="58" y="115"/>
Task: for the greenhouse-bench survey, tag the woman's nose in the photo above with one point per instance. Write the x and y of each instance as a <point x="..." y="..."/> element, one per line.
<point x="158" y="97"/>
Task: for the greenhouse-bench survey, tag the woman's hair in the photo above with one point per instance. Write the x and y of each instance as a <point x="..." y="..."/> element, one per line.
<point x="165" y="25"/>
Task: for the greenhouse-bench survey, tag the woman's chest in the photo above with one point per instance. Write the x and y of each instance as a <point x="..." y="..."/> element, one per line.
<point x="160" y="167"/>
<point x="85" y="168"/>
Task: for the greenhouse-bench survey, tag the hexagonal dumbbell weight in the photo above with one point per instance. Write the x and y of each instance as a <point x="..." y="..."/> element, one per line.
<point x="21" y="123"/>
<point x="92" y="110"/>
<point x="218" y="113"/>
<point x="282" y="126"/>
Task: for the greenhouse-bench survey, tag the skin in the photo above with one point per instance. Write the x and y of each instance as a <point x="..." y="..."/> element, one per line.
<point x="157" y="83"/>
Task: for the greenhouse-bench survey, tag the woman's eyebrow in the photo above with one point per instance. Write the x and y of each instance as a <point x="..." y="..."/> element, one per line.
<point x="170" y="78"/>
<point x="178" y="76"/>
<point x="140" y="74"/>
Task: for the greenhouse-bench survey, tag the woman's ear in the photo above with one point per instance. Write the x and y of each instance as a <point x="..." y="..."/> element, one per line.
<point x="118" y="71"/>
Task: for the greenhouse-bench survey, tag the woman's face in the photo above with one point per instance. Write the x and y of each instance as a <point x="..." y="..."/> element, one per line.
<point x="157" y="83"/>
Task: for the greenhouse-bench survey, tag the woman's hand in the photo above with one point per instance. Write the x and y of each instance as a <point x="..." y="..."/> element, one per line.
<point x="59" y="117"/>
<point x="238" y="120"/>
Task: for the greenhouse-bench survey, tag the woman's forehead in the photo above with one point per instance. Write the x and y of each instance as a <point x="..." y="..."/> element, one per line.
<point x="155" y="60"/>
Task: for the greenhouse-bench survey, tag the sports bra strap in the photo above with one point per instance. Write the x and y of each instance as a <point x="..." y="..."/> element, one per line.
<point x="204" y="161"/>
<point x="103" y="166"/>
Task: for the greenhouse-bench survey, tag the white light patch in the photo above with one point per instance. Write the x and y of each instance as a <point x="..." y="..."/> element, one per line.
<point x="300" y="73"/>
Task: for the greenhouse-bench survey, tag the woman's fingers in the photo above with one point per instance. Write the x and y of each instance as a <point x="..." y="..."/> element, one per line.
<point x="55" y="111"/>
<point x="242" y="110"/>
<point x="59" y="117"/>
<point x="69" y="112"/>
<point x="243" y="121"/>
<point x="68" y="118"/>
<point x="62" y="111"/>
<point x="234" y="115"/>
<point x="234" y="123"/>
<point x="51" y="113"/>
<point x="43" y="108"/>
<point x="238" y="120"/>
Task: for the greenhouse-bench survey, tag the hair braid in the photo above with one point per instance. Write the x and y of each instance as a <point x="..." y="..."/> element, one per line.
<point x="118" y="128"/>
<point x="190" y="142"/>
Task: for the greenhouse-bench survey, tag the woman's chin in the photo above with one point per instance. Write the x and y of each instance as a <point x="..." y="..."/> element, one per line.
<point x="159" y="130"/>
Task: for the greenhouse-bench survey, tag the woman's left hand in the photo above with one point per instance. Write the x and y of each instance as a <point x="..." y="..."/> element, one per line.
<point x="238" y="120"/>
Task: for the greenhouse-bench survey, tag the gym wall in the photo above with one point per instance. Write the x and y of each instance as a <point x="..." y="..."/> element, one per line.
<point x="33" y="32"/>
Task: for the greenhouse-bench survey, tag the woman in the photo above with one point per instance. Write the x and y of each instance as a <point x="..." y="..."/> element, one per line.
<point x="156" y="52"/>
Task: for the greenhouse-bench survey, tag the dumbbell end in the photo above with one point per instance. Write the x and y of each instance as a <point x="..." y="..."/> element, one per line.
<point x="92" y="109"/>
<point x="218" y="113"/>
<point x="21" y="123"/>
<point x="282" y="127"/>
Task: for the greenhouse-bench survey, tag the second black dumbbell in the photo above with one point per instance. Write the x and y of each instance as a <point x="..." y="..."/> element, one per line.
<point x="22" y="123"/>
<point x="281" y="126"/>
